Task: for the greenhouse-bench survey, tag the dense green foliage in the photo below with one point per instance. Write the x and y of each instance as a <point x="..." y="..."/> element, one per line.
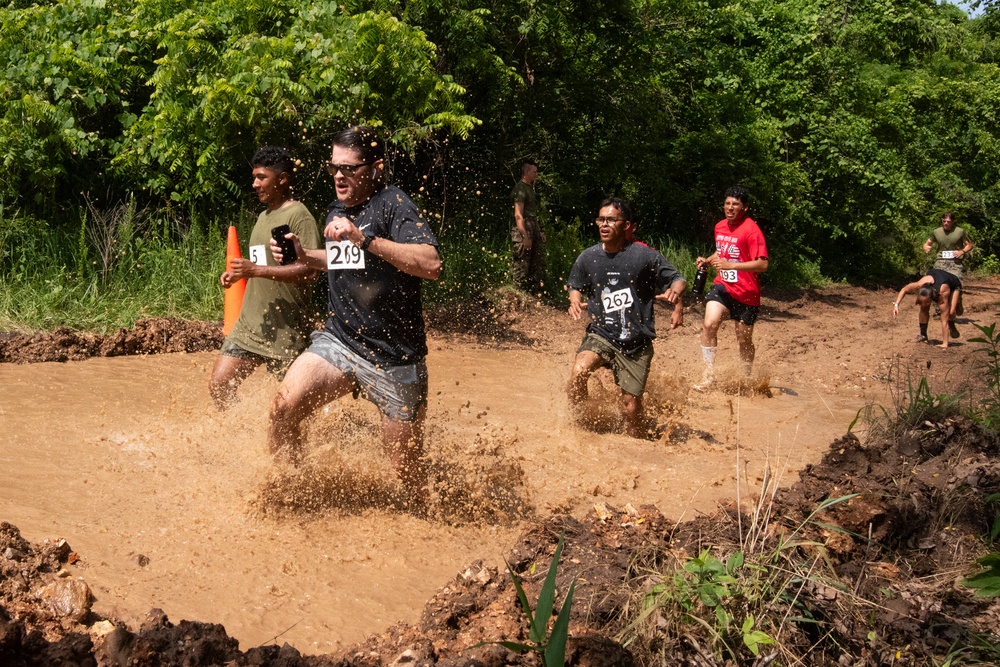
<point x="106" y="270"/>
<point x="172" y="98"/>
<point x="854" y="123"/>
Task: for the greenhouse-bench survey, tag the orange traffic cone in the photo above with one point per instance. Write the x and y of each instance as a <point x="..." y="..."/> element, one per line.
<point x="233" y="296"/>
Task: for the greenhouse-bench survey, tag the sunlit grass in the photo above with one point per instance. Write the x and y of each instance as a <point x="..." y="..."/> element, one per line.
<point x="115" y="267"/>
<point x="51" y="278"/>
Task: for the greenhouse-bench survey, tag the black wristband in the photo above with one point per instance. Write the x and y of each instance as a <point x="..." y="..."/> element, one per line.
<point x="367" y="242"/>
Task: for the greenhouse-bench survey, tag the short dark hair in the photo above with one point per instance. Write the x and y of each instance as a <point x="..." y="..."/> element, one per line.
<point x="739" y="192"/>
<point x="274" y="158"/>
<point x="528" y="162"/>
<point x="948" y="214"/>
<point x="619" y="205"/>
<point x="362" y="139"/>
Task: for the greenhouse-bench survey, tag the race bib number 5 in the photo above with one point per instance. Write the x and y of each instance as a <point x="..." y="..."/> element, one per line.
<point x="257" y="255"/>
<point x="344" y="255"/>
<point x="615" y="301"/>
<point x="728" y="275"/>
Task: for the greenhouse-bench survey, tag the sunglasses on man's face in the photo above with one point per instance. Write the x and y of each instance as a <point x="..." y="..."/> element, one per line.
<point x="607" y="221"/>
<point x="346" y="169"/>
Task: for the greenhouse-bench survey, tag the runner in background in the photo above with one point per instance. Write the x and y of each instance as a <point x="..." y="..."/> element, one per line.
<point x="740" y="257"/>
<point x="953" y="245"/>
<point x="936" y="287"/>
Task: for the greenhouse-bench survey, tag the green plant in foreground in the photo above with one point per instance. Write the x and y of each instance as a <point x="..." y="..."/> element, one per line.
<point x="987" y="582"/>
<point x="550" y="647"/>
<point x="730" y="608"/>
<point x="990" y="346"/>
<point x="912" y="405"/>
<point x="921" y="405"/>
<point x="705" y="581"/>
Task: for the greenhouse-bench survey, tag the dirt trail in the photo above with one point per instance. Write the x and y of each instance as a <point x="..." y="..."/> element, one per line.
<point x="174" y="506"/>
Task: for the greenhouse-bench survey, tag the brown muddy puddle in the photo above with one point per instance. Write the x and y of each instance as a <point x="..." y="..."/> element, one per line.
<point x="172" y="505"/>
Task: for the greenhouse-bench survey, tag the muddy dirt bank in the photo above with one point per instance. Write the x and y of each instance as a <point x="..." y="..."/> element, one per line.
<point x="153" y="336"/>
<point x="882" y="587"/>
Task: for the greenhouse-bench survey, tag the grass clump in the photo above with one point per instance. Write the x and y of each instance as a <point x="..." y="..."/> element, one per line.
<point x="735" y="603"/>
<point x="989" y="364"/>
<point x="115" y="266"/>
<point x="912" y="404"/>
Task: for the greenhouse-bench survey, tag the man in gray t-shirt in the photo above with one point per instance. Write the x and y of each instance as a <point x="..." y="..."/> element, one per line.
<point x="620" y="280"/>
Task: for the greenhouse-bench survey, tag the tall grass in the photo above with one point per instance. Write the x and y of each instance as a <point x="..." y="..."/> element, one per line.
<point x="107" y="270"/>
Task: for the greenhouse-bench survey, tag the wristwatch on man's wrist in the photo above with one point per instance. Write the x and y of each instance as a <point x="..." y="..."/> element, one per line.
<point x="367" y="242"/>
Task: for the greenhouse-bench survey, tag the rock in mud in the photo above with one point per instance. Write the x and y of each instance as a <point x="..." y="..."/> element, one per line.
<point x="68" y="597"/>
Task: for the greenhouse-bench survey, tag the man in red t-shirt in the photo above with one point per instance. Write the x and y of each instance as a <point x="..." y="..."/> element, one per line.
<point x="740" y="257"/>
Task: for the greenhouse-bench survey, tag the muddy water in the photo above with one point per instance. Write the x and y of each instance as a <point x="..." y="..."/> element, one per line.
<point x="172" y="505"/>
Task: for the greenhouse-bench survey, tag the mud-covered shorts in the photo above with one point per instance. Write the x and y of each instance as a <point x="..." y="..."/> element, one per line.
<point x="277" y="367"/>
<point x="398" y="391"/>
<point x="631" y="370"/>
<point x="737" y="311"/>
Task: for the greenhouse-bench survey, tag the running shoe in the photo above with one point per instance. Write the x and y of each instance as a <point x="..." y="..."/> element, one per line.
<point x="706" y="382"/>
<point x="920" y="339"/>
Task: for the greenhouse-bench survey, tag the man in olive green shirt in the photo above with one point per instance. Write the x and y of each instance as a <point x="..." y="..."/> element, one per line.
<point x="529" y="242"/>
<point x="953" y="245"/>
<point x="275" y="319"/>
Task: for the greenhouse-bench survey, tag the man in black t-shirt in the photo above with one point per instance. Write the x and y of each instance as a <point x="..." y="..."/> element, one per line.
<point x="620" y="280"/>
<point x="379" y="248"/>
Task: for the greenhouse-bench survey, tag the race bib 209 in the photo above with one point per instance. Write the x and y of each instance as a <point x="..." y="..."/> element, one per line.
<point x="344" y="255"/>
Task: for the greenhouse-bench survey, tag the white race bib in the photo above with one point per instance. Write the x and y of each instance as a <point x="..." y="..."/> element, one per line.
<point x="728" y="275"/>
<point x="257" y="255"/>
<point x="344" y="255"/>
<point x="947" y="254"/>
<point x="615" y="301"/>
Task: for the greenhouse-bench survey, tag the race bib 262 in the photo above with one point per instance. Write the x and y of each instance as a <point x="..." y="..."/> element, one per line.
<point x="615" y="301"/>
